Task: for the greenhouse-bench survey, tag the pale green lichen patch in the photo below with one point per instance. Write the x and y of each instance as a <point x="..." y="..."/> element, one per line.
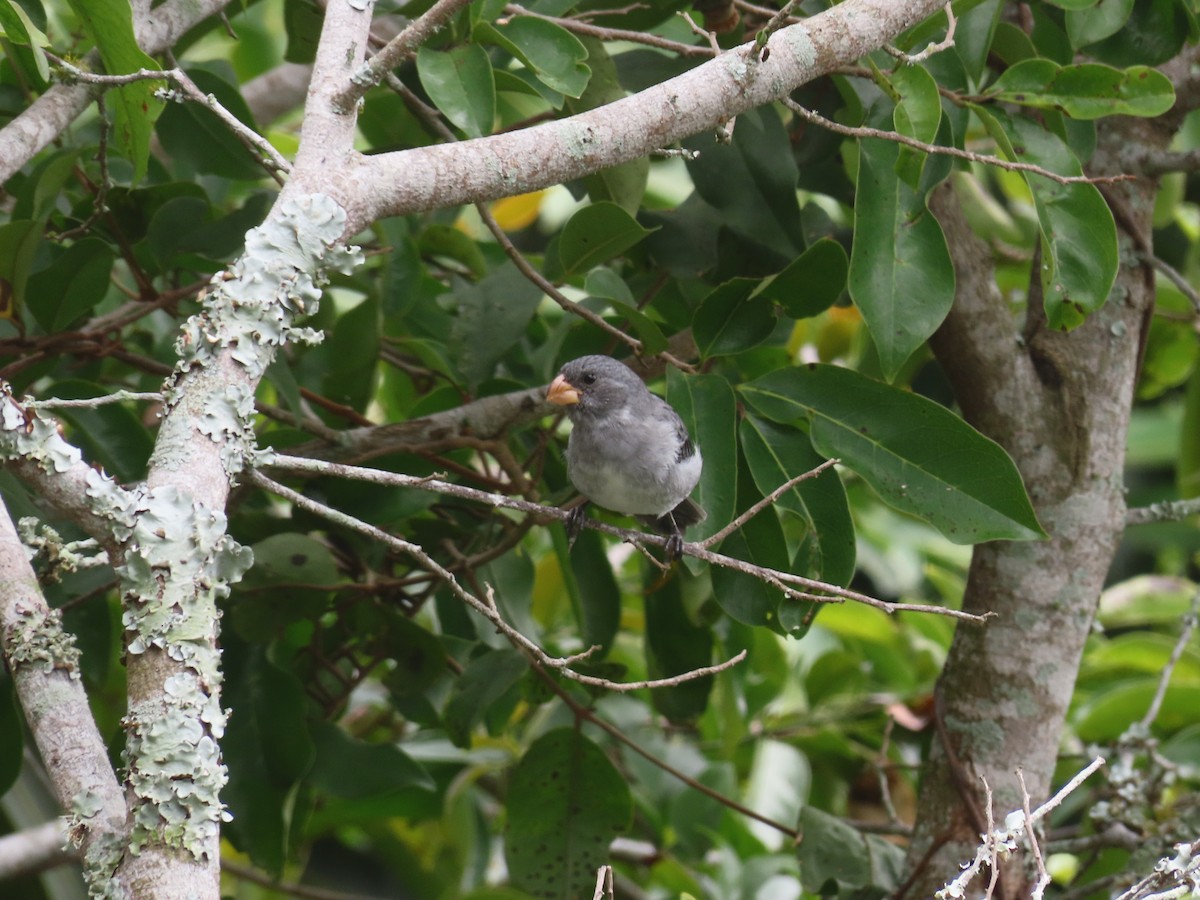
<point x="36" y="639"/>
<point x="179" y="562"/>
<point x="798" y="42"/>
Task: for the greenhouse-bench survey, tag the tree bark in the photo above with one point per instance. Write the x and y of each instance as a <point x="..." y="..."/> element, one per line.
<point x="1059" y="403"/>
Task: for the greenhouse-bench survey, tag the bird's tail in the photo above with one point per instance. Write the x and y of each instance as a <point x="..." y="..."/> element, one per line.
<point x="685" y="514"/>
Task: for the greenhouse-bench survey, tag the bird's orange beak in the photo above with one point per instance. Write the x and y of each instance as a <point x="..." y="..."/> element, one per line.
<point x="562" y="392"/>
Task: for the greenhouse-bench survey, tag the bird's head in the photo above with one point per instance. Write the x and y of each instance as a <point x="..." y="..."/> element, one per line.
<point x="593" y="384"/>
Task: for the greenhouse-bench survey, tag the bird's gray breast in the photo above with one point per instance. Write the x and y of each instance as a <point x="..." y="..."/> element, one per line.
<point x="632" y="464"/>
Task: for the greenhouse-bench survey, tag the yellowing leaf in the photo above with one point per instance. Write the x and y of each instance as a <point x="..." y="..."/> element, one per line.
<point x="521" y="211"/>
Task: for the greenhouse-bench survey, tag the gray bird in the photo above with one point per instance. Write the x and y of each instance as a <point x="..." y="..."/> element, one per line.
<point x="629" y="451"/>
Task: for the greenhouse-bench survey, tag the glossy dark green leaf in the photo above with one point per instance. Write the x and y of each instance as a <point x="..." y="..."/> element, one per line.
<point x="194" y="135"/>
<point x="292" y="579"/>
<point x="459" y="82"/>
<point x="744" y="598"/>
<point x="1107" y="713"/>
<point x="1096" y="21"/>
<point x="813" y="282"/>
<point x="71" y="285"/>
<point x="484" y="681"/>
<point x="110" y="24"/>
<point x="350" y="768"/>
<point x="551" y="52"/>
<point x="302" y="25"/>
<point x="566" y="803"/>
<point x="751" y="181"/>
<point x="589" y="581"/>
<point x="18" y="245"/>
<point x="268" y="751"/>
<point x="492" y="315"/>
<point x="707" y="406"/>
<point x="418" y="656"/>
<point x="1154" y="32"/>
<point x="836" y="858"/>
<point x="353" y="349"/>
<point x="1079" y="237"/>
<point x="918" y="114"/>
<point x="777" y="453"/>
<point x="901" y="276"/>
<point x="732" y="319"/>
<point x="1086" y="91"/>
<point x="21" y="29"/>
<point x="674" y="644"/>
<point x="595" y="234"/>
<point x="917" y="455"/>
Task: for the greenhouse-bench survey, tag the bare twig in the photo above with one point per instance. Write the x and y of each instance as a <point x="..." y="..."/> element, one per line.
<point x="863" y="131"/>
<point x="604" y="884"/>
<point x="256" y="143"/>
<point x="824" y="592"/>
<point x="485" y="607"/>
<point x="1168" y="511"/>
<point x="1164" y="679"/>
<point x="945" y="44"/>
<point x="397" y="49"/>
<point x="1043" y="881"/>
<point x="579" y="26"/>
<point x="90" y="402"/>
<point x="1176" y="278"/>
<point x="765" y="502"/>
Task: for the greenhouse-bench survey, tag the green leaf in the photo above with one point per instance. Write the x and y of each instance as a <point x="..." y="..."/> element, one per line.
<point x="674" y="644"/>
<point x="291" y="580"/>
<point x="268" y="750"/>
<point x="1078" y="235"/>
<point x="624" y="184"/>
<point x="18" y="27"/>
<point x="1108" y="713"/>
<point x="751" y="181"/>
<point x="1154" y="33"/>
<point x="595" y="234"/>
<point x="743" y="597"/>
<point x="812" y="283"/>
<point x="71" y="285"/>
<point x="1072" y="4"/>
<point x="901" y="275"/>
<point x="588" y="577"/>
<point x="777" y="453"/>
<point x="353" y="354"/>
<point x="485" y="680"/>
<point x="1087" y="91"/>
<point x="19" y="242"/>
<point x="551" y="52"/>
<point x="566" y="803"/>
<point x="708" y="409"/>
<point x="919" y="456"/>
<point x="110" y="24"/>
<point x="732" y="319"/>
<point x="193" y="134"/>
<point x="836" y="858"/>
<point x="350" y="768"/>
<point x="302" y="25"/>
<point x="492" y="315"/>
<point x="419" y="656"/>
<point x="460" y="84"/>
<point x="918" y="114"/>
<point x="1187" y="467"/>
<point x="1086" y="25"/>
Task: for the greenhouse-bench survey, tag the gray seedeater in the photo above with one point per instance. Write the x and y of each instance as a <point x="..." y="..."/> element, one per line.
<point x="629" y="451"/>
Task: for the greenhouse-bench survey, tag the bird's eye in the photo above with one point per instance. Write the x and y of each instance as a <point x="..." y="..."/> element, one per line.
<point x="589" y="378"/>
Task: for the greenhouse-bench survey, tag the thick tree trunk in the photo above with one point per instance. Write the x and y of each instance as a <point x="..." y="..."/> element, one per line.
<point x="1059" y="403"/>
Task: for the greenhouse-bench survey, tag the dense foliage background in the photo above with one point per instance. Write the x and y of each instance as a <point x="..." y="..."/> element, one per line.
<point x="781" y="280"/>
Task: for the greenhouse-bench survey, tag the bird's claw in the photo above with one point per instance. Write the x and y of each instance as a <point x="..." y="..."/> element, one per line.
<point x="574" y="523"/>
<point x="674" y="547"/>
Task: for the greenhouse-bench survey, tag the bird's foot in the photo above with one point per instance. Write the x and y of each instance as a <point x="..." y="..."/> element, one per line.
<point x="674" y="547"/>
<point x="574" y="523"/>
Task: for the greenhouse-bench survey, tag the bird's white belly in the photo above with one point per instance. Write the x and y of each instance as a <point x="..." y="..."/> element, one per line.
<point x="638" y="490"/>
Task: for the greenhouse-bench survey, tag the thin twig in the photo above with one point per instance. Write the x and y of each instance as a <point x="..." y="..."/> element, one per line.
<point x="765" y="502"/>
<point x="828" y="593"/>
<point x="88" y="403"/>
<point x="1164" y="679"/>
<point x="1176" y="278"/>
<point x="862" y="131"/>
<point x="486" y="607"/>
<point x="1167" y="511"/>
<point x="945" y="44"/>
<point x="1043" y="878"/>
<point x="579" y="26"/>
